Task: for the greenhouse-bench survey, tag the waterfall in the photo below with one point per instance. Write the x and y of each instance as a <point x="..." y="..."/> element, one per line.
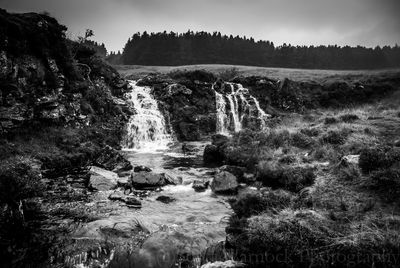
<point x="146" y="129"/>
<point x="237" y="108"/>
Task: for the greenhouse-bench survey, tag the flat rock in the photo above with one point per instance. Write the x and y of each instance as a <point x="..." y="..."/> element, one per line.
<point x="101" y="179"/>
<point x="224" y="183"/>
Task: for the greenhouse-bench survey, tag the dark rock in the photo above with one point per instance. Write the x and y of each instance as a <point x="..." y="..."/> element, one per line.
<point x="165" y="199"/>
<point x="142" y="168"/>
<point x="212" y="155"/>
<point x="224" y="183"/>
<point x="235" y="170"/>
<point x="133" y="202"/>
<point x="101" y="179"/>
<point x="200" y="186"/>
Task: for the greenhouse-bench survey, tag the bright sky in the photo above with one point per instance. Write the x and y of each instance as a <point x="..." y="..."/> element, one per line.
<point x="298" y="22"/>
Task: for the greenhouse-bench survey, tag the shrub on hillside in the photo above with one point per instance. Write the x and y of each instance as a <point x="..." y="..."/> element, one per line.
<point x="281" y="176"/>
<point x="348" y="118"/>
<point x="330" y="120"/>
<point x="200" y="75"/>
<point x="335" y="137"/>
<point x="253" y="203"/>
<point x="229" y="74"/>
<point x="301" y="140"/>
<point x="372" y="159"/>
<point x="284" y="240"/>
<point x="311" y="132"/>
<point x="349" y="173"/>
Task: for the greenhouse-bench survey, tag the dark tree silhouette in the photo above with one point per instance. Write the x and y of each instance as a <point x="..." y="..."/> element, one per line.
<point x="214" y="48"/>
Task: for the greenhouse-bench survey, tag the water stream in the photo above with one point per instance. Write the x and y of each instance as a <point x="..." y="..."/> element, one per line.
<point x="236" y="108"/>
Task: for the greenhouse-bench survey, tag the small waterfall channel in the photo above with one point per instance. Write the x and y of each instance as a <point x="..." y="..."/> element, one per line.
<point x="146" y="129"/>
<point x="236" y="108"/>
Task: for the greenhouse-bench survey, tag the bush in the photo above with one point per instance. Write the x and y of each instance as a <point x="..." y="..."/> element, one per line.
<point x="330" y="120"/>
<point x="284" y="240"/>
<point x="348" y="118"/>
<point x="200" y="75"/>
<point x="254" y="203"/>
<point x="301" y="140"/>
<point x="311" y="132"/>
<point x="281" y="176"/>
<point x="19" y="179"/>
<point x="335" y="137"/>
<point x="349" y="173"/>
<point x="372" y="159"/>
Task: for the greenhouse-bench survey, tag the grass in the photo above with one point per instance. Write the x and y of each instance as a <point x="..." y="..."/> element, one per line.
<point x="333" y="212"/>
<point x="137" y="71"/>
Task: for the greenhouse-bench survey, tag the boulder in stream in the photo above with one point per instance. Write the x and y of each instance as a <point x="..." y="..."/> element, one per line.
<point x="101" y="179"/>
<point x="165" y="199"/>
<point x="224" y="182"/>
<point x="150" y="180"/>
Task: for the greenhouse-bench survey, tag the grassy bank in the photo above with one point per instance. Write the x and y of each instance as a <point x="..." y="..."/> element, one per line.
<point x="311" y="206"/>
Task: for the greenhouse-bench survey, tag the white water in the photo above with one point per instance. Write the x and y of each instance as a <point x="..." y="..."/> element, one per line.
<point x="242" y="107"/>
<point x="146" y="129"/>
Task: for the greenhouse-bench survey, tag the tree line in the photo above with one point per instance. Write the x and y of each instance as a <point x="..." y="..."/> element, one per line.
<point x="171" y="49"/>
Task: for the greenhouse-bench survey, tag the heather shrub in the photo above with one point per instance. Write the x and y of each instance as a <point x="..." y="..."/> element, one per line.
<point x="330" y="120"/>
<point x="348" y="118"/>
<point x="301" y="140"/>
<point x="372" y="159"/>
<point x="335" y="137"/>
<point x="282" y="176"/>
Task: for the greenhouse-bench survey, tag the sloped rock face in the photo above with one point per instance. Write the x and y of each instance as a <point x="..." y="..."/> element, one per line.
<point x="188" y="102"/>
<point x="41" y="83"/>
<point x="101" y="179"/>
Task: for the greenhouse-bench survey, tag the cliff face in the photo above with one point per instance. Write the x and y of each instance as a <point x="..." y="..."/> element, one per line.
<point x="60" y="106"/>
<point x="45" y="78"/>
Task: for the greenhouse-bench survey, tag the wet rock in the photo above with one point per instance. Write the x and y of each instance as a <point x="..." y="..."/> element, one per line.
<point x="122" y="174"/>
<point x="141" y="168"/>
<point x="200" y="186"/>
<point x="117" y="196"/>
<point x="133" y="202"/>
<point x="224" y="183"/>
<point x="148" y="180"/>
<point x="101" y="179"/>
<point x="249" y="178"/>
<point x="165" y="199"/>
<point x="235" y="170"/>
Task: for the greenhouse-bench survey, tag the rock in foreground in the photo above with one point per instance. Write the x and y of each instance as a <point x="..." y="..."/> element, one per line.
<point x="101" y="179"/>
<point x="224" y="183"/>
<point x="150" y="181"/>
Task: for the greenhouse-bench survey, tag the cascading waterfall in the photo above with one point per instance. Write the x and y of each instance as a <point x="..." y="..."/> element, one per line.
<point x="146" y="129"/>
<point x="242" y="108"/>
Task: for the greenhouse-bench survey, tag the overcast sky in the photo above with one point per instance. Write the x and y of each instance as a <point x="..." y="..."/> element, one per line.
<point x="298" y="22"/>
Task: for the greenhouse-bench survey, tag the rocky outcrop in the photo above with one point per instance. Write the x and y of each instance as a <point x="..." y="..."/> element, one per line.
<point x="188" y="102"/>
<point x="110" y="159"/>
<point x="224" y="183"/>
